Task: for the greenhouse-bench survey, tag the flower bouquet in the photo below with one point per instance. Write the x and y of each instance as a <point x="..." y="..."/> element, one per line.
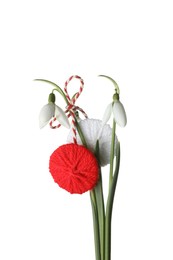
<point x="91" y="144"/>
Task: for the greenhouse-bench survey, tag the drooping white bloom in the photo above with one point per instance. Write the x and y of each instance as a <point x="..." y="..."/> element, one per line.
<point x="51" y="110"/>
<point x="90" y="129"/>
<point x="117" y="109"/>
<point x="119" y="113"/>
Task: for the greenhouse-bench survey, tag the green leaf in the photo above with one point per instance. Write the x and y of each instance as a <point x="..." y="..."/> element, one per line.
<point x="74" y="95"/>
<point x="81" y="134"/>
<point x="95" y="225"/>
<point x="100" y="204"/>
<point x="109" y="206"/>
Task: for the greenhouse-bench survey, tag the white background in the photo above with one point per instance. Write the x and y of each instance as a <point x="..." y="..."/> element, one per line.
<point x="130" y="41"/>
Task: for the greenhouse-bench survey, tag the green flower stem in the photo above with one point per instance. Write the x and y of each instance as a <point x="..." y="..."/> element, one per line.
<point x="97" y="204"/>
<point x="112" y="154"/>
<point x="109" y="206"/>
<point x="113" y="81"/>
<point x="101" y="215"/>
<point x="100" y="206"/>
<point x="56" y="87"/>
<point x="62" y="94"/>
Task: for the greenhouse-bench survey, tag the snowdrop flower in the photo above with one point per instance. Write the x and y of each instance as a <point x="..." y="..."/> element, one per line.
<point x="51" y="110"/>
<point x="117" y="109"/>
<point x="90" y="129"/>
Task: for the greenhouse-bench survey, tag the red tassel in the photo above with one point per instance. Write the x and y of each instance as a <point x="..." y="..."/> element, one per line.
<point x="74" y="168"/>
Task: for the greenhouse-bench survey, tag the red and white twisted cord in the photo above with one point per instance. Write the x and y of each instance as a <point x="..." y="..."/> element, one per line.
<point x="71" y="107"/>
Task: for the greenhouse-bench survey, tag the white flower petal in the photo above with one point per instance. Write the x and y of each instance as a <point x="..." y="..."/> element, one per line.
<point x="90" y="129"/>
<point x="61" y="117"/>
<point x="119" y="113"/>
<point x="106" y="117"/>
<point x="46" y="113"/>
<point x="107" y="114"/>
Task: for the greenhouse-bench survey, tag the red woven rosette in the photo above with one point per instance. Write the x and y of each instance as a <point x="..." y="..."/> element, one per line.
<point x="74" y="168"/>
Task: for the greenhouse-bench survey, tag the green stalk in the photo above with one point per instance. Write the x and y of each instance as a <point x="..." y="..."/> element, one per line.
<point x="100" y="206"/>
<point x="57" y="88"/>
<point x="109" y="207"/>
<point x="113" y="81"/>
<point x="112" y="154"/>
<point x="94" y="205"/>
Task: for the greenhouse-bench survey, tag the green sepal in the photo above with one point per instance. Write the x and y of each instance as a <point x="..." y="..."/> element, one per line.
<point x="51" y="98"/>
<point x="115" y="97"/>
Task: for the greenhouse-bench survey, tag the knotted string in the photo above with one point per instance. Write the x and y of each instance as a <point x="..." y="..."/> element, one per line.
<point x="71" y="107"/>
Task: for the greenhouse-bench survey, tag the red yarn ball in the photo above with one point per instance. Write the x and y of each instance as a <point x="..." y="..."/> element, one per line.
<point x="74" y="168"/>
